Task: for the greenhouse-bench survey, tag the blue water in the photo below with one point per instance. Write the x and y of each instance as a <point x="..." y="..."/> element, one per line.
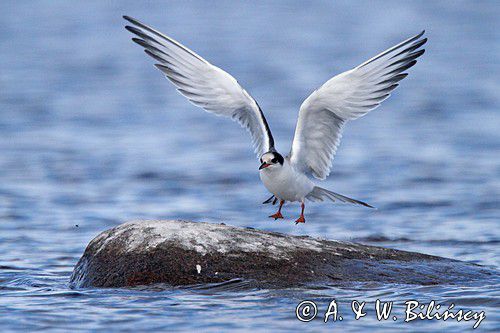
<point x="91" y="135"/>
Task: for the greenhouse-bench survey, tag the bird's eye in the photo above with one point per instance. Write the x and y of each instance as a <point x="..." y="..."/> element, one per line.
<point x="274" y="160"/>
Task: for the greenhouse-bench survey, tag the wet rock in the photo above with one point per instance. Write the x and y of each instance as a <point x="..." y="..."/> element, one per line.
<point x="183" y="253"/>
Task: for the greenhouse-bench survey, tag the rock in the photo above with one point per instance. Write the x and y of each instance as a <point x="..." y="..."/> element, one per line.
<point x="182" y="253"/>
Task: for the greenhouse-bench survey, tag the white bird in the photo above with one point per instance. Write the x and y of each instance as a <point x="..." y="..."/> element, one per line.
<point x="322" y="115"/>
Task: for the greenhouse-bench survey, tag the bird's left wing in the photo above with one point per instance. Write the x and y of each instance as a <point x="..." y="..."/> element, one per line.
<point x="204" y="84"/>
<point x="344" y="97"/>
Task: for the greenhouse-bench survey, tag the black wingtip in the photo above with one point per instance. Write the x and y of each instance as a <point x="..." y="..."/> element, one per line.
<point x="139" y="41"/>
<point x="161" y="67"/>
<point x="418" y="53"/>
<point x="132" y="20"/>
<point x="130" y="28"/>
<point x="366" y="205"/>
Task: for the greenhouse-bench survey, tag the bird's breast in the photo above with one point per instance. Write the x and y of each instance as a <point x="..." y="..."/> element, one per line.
<point x="286" y="184"/>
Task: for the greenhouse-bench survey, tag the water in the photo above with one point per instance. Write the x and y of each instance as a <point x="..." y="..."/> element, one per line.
<point x="92" y="135"/>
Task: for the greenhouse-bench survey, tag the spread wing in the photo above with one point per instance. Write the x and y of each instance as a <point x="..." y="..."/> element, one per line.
<point x="204" y="84"/>
<point x="345" y="97"/>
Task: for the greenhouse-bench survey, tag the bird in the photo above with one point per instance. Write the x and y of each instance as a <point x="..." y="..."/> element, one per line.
<point x="321" y="118"/>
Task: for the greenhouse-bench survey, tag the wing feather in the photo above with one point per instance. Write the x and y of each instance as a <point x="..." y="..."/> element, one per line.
<point x="345" y="97"/>
<point x="204" y="84"/>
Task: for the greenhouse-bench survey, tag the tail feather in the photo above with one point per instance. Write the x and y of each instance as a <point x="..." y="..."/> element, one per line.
<point x="319" y="194"/>
<point x="272" y="200"/>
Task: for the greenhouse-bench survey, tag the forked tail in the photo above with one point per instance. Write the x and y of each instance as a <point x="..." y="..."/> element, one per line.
<point x="272" y="200"/>
<point x="320" y="194"/>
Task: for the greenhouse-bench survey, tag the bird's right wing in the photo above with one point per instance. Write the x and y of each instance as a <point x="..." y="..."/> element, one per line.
<point x="345" y="97"/>
<point x="204" y="84"/>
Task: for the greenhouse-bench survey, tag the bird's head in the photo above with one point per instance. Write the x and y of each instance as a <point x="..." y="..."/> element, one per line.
<point x="271" y="160"/>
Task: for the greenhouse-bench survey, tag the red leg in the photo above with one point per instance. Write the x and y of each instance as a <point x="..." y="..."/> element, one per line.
<point x="278" y="213"/>
<point x="301" y="219"/>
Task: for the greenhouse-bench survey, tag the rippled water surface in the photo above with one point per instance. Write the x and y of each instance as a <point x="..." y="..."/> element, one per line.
<point x="91" y="135"/>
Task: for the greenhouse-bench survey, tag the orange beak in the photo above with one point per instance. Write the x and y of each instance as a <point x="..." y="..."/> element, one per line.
<point x="264" y="165"/>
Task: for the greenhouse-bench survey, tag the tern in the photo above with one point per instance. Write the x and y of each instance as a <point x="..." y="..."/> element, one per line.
<point x="322" y="116"/>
